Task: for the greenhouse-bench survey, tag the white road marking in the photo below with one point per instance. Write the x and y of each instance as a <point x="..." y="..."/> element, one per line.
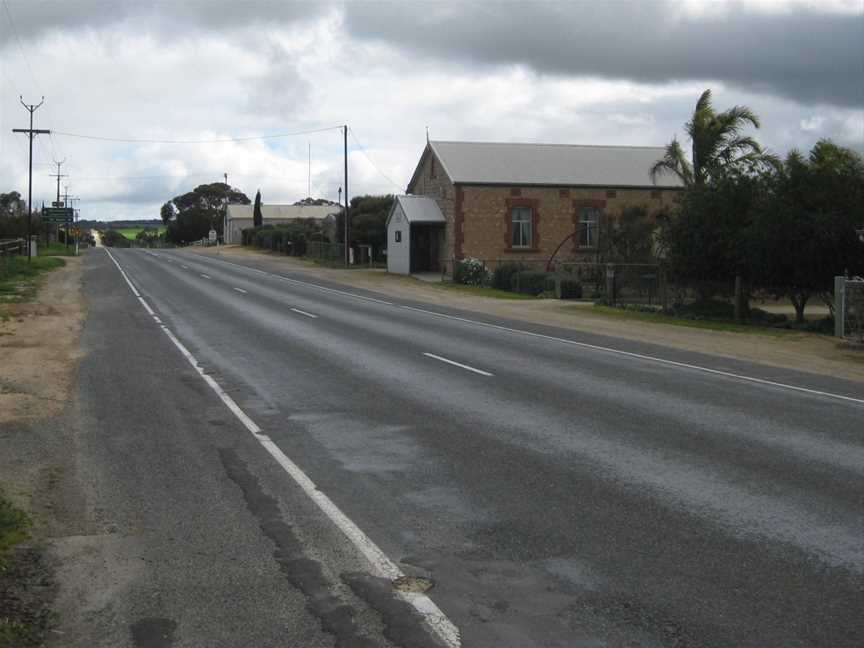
<point x="584" y="345"/>
<point x="184" y="267"/>
<point x="641" y="356"/>
<point x="241" y="290"/>
<point x="457" y="364"/>
<point x="297" y="310"/>
<point x="380" y="564"/>
<point x="206" y="276"/>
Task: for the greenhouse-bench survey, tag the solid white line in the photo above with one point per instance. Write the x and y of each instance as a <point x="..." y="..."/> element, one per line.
<point x="457" y="364"/>
<point x="381" y="565"/>
<point x="241" y="290"/>
<point x="297" y="310"/>
<point x="584" y="345"/>
<point x="642" y="356"/>
<point x="206" y="276"/>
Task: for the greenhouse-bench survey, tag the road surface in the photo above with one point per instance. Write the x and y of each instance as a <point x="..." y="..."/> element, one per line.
<point x="554" y="488"/>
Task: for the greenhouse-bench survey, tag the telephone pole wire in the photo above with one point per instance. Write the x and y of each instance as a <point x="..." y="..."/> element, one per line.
<point x="31" y="132"/>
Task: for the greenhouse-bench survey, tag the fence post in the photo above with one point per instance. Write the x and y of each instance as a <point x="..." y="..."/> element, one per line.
<point x="839" y="306"/>
<point x="738" y="299"/>
<point x="610" y="284"/>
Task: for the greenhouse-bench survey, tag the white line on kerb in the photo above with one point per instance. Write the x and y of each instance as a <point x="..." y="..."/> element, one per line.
<point x="297" y="310"/>
<point x="380" y="564"/>
<point x="206" y="276"/>
<point x="241" y="290"/>
<point x="457" y="364"/>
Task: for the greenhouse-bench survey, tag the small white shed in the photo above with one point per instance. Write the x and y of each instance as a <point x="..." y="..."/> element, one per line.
<point x="415" y="235"/>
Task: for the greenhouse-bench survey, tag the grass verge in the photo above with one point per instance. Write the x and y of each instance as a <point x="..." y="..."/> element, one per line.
<point x="19" y="278"/>
<point x="56" y="249"/>
<point x="15" y="631"/>
<point x="661" y="318"/>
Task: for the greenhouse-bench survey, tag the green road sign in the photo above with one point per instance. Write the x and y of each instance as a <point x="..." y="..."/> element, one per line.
<point x="58" y="214"/>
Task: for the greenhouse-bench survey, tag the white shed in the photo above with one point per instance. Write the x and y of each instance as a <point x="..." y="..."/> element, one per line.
<point x="415" y="235"/>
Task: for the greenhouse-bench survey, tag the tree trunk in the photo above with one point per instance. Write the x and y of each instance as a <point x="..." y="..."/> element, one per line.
<point x="799" y="301"/>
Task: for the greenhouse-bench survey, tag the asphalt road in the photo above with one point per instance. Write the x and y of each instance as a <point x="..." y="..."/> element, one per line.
<point x="555" y="491"/>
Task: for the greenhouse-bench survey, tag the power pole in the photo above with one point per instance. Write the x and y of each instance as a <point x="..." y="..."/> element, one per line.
<point x="59" y="175"/>
<point x="31" y="132"/>
<point x="345" y="150"/>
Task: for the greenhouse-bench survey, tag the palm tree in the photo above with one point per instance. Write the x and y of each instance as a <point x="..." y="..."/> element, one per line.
<point x="717" y="144"/>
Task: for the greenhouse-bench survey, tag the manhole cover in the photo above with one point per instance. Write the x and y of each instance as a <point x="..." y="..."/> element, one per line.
<point x="413" y="584"/>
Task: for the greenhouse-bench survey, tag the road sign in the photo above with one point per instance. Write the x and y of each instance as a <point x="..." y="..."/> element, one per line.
<point x="212" y="235"/>
<point x="58" y="204"/>
<point x="58" y="214"/>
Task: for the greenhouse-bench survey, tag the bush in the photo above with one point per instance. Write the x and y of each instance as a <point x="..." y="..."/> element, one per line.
<point x="529" y="282"/>
<point x="471" y="272"/>
<point x="570" y="288"/>
<point x="503" y="274"/>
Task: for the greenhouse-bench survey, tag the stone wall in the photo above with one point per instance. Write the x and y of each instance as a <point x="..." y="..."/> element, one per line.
<point x="435" y="184"/>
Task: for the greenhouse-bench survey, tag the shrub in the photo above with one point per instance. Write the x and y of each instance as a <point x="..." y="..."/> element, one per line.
<point x="471" y="272"/>
<point x="570" y="288"/>
<point x="501" y="277"/>
<point x="529" y="282"/>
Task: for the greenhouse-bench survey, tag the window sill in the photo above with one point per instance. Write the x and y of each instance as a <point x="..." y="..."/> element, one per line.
<point x="521" y="249"/>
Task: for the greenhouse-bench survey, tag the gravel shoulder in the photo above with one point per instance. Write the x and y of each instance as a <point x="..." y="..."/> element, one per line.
<point x="805" y="352"/>
<point x="39" y="351"/>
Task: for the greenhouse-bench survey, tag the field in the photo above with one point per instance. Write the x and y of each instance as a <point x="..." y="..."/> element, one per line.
<point x="131" y="232"/>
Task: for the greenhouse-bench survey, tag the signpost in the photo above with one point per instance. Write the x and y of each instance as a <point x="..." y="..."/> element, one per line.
<point x="212" y="235"/>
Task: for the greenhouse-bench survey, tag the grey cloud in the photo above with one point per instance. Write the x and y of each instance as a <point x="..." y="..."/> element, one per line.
<point x="805" y="55"/>
<point x="34" y="18"/>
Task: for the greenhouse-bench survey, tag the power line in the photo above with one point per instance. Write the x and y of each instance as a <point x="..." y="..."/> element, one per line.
<point x="375" y="166"/>
<point x="129" y="140"/>
<point x="29" y="67"/>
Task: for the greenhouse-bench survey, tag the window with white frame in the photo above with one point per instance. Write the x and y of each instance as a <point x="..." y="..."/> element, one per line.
<point x="589" y="226"/>
<point x="522" y="221"/>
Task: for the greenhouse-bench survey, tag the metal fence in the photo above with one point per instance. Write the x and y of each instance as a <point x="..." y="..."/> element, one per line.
<point x="12" y="247"/>
<point x="849" y="308"/>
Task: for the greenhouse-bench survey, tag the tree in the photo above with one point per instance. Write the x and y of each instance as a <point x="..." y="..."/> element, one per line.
<point x="629" y="238"/>
<point x="804" y="235"/>
<point x="190" y="216"/>
<point x="717" y="145"/>
<point x="257" y="217"/>
<point x="10" y="204"/>
<point x="368" y="220"/>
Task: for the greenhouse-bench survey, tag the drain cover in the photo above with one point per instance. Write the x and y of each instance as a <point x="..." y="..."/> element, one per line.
<point x="413" y="584"/>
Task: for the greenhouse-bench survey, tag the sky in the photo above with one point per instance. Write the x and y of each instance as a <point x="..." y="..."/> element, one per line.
<point x="261" y="87"/>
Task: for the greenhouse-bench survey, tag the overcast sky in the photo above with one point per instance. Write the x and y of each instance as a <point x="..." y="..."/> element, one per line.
<point x="609" y="72"/>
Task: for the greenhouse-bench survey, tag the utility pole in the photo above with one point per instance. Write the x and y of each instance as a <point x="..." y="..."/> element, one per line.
<point x="31" y="108"/>
<point x="59" y="175"/>
<point x="345" y="150"/>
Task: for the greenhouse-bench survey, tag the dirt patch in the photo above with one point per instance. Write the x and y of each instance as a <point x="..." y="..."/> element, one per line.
<point x="39" y="346"/>
<point x="38" y="353"/>
<point x="807" y="352"/>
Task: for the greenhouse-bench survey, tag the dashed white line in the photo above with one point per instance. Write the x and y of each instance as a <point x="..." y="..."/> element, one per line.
<point x="206" y="276"/>
<point x="184" y="267"/>
<point x="457" y="364"/>
<point x="380" y="564"/>
<point x="302" y="312"/>
<point x="584" y="345"/>
<point x="241" y="290"/>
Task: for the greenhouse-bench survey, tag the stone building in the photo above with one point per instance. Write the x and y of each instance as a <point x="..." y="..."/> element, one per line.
<point x="510" y="202"/>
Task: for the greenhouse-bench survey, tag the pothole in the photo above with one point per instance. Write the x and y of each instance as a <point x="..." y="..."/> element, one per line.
<point x="413" y="584"/>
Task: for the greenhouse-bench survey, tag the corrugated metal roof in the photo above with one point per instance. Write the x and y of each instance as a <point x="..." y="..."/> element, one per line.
<point x="420" y="209"/>
<point x="283" y="212"/>
<point x="551" y="164"/>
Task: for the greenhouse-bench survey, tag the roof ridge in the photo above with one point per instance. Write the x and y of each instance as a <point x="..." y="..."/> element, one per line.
<point x="627" y="146"/>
